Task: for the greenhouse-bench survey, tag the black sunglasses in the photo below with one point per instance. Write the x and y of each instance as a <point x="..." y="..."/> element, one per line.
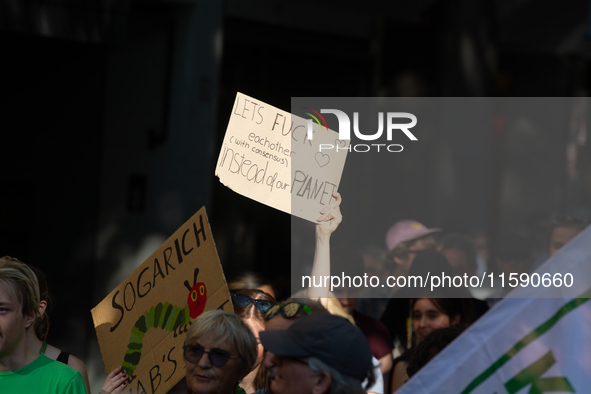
<point x="288" y="310"/>
<point x="244" y="300"/>
<point x="217" y="357"/>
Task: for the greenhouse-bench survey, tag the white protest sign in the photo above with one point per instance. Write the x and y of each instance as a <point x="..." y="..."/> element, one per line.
<point x="523" y="345"/>
<point x="267" y="156"/>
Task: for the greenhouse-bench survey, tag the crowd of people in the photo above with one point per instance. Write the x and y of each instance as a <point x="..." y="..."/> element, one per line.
<point x="346" y="341"/>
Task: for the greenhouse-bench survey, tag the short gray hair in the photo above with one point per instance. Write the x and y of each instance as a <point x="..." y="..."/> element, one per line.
<point x="340" y="384"/>
<point x="226" y="326"/>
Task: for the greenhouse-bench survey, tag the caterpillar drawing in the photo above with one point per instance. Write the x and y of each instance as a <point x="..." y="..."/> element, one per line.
<point x="166" y="316"/>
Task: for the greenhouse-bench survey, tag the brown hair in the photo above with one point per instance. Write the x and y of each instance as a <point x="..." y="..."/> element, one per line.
<point x="453" y="307"/>
<point x="250" y="311"/>
<point x="433" y="343"/>
<point x="248" y="280"/>
<point x="42" y="321"/>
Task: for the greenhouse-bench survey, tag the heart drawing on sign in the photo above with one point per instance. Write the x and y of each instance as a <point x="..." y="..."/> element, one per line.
<point x="322" y="159"/>
<point x="340" y="143"/>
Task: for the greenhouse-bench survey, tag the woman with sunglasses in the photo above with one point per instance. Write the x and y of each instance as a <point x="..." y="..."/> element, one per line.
<point x="250" y="305"/>
<point x="219" y="352"/>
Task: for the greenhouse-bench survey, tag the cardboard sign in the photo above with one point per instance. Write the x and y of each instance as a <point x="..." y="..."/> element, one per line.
<point x="142" y="324"/>
<point x="267" y="156"/>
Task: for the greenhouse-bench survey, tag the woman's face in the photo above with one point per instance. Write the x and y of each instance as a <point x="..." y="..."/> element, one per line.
<point x="205" y="378"/>
<point x="427" y="317"/>
<point x="256" y="327"/>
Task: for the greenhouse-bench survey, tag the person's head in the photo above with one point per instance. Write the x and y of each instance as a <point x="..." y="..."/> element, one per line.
<point x="219" y="351"/>
<point x="432" y="263"/>
<point x="514" y="255"/>
<point x="461" y="252"/>
<point x="348" y="303"/>
<point x="373" y="261"/>
<point x="41" y="326"/>
<point x="564" y="228"/>
<point x="281" y="316"/>
<point x="432" y="313"/>
<point x="19" y="300"/>
<point x="429" y="261"/>
<point x="433" y="343"/>
<point x="251" y="280"/>
<point x="319" y="353"/>
<point x="250" y="306"/>
<point x="407" y="237"/>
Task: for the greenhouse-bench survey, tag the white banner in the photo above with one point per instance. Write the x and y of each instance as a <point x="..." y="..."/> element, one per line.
<point x="523" y="345"/>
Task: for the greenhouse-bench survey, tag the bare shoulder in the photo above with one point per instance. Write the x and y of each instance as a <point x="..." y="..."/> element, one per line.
<point x="52" y="352"/>
<point x="77" y="364"/>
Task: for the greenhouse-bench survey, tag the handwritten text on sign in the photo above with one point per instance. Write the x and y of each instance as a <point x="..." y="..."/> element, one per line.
<point x="142" y="324"/>
<point x="267" y="156"/>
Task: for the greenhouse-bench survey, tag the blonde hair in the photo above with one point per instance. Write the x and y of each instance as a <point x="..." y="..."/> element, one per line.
<point x="334" y="307"/>
<point x="226" y="327"/>
<point x="22" y="282"/>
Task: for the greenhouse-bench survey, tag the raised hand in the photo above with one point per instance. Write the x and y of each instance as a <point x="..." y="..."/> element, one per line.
<point x="115" y="383"/>
<point x="330" y="217"/>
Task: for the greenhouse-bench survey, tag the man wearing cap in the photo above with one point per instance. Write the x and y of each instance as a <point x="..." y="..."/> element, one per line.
<point x="320" y="353"/>
<point x="403" y="240"/>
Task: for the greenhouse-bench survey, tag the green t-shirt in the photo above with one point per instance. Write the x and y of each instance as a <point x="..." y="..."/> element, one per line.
<point x="42" y="376"/>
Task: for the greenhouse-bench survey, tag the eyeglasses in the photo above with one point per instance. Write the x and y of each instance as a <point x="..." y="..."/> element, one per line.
<point x="288" y="310"/>
<point x="217" y="357"/>
<point x="566" y="220"/>
<point x="244" y="300"/>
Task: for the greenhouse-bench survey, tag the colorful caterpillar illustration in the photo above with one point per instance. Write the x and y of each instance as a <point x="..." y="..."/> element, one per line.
<point x="166" y="316"/>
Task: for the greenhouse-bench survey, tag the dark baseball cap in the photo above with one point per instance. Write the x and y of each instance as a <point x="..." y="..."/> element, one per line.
<point x="331" y="339"/>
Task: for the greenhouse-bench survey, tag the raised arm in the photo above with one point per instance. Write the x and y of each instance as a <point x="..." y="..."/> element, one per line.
<point x="329" y="220"/>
